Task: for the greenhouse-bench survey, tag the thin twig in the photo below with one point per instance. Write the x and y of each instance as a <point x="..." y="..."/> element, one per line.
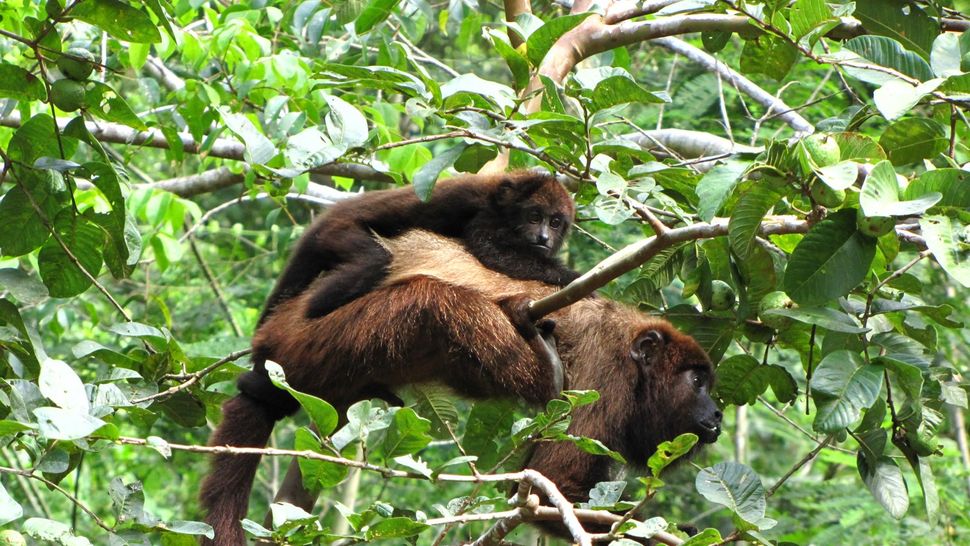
<point x="192" y="378"/>
<point x="811" y="455"/>
<point x="30" y="475"/>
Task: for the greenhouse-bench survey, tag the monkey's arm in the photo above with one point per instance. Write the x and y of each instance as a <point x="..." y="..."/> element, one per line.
<point x="539" y="336"/>
<point x="357" y="276"/>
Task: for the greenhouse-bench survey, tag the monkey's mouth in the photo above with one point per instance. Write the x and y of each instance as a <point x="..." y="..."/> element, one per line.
<point x="709" y="432"/>
<point x="541" y="249"/>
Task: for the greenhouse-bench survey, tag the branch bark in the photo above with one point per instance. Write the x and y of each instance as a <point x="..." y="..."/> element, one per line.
<point x="223" y="148"/>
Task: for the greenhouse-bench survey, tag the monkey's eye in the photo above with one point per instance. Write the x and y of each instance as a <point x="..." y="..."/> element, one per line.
<point x="555" y="222"/>
<point x="697" y="379"/>
<point x="534" y="217"/>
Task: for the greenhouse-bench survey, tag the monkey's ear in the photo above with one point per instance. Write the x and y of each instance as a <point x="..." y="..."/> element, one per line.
<point x="647" y="347"/>
<point x="505" y="193"/>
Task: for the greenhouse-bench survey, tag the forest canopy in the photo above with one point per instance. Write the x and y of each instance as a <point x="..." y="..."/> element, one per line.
<point x="785" y="180"/>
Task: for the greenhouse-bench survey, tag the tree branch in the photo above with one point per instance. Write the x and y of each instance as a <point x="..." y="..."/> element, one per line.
<point x="223" y="148"/>
<point x="638" y="253"/>
<point x="739" y="82"/>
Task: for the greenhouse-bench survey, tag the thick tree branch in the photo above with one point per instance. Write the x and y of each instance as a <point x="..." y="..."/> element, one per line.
<point x="223" y="148"/>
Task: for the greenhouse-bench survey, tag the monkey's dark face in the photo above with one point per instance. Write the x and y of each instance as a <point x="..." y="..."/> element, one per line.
<point x="704" y="415"/>
<point x="677" y="378"/>
<point x="543" y="230"/>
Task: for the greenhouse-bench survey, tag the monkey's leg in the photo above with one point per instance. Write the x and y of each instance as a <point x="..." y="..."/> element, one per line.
<point x="351" y="279"/>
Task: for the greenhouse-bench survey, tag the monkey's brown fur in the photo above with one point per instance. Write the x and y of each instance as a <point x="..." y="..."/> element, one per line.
<point x="513" y="223"/>
<point x="436" y="318"/>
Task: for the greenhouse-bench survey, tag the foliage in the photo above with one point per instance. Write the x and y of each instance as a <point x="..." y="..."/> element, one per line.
<point x="160" y="158"/>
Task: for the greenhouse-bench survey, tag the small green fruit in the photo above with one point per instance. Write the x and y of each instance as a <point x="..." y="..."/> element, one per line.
<point x="722" y="296"/>
<point x="9" y="537"/>
<point x="823" y="149"/>
<point x="826" y="196"/>
<point x="76" y="63"/>
<point x="874" y="226"/>
<point x="68" y="95"/>
<point x="772" y="301"/>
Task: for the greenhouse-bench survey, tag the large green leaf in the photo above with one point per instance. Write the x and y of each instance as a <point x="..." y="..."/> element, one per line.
<point x="741" y="379"/>
<point x="517" y="62"/>
<point x="427" y="176"/>
<point x="808" y="15"/>
<point x="394" y="528"/>
<point x="407" y="434"/>
<point x="118" y="19"/>
<point x="18" y="84"/>
<point x="737" y="487"/>
<point x="9" y="508"/>
<point x="259" y="149"/>
<point x="823" y="317"/>
<point x="616" y="90"/>
<point x="913" y="139"/>
<point x="373" y="13"/>
<point x="58" y="269"/>
<point x="716" y="186"/>
<point x="885" y="482"/>
<point x="748" y="213"/>
<point x="843" y="386"/>
<point x="888" y="52"/>
<point x="669" y="451"/>
<point x="946" y="238"/>
<point x="951" y="183"/>
<point x="832" y="259"/>
<point x="901" y="20"/>
<point x="768" y="55"/>
<point x="316" y="474"/>
<point x="880" y="195"/>
<point x="542" y="39"/>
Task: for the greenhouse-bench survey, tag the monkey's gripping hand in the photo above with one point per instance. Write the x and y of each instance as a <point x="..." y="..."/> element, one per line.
<point x="539" y="335"/>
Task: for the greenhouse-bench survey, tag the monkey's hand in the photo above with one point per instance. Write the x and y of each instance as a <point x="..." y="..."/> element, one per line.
<point x="538" y="335"/>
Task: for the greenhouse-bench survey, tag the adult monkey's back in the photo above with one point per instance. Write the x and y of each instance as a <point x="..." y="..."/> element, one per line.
<point x="654" y="380"/>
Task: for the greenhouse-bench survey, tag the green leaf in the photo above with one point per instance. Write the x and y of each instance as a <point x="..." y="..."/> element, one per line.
<point x="896" y="97"/>
<point x="62" y="424"/>
<point x="259" y="149"/>
<point x="593" y="447"/>
<point x="913" y="139"/>
<point x="931" y="497"/>
<point x="900" y="20"/>
<point x="859" y="148"/>
<point x="36" y="138"/>
<point x="716" y="186"/>
<point x="53" y="531"/>
<point x="59" y="384"/>
<point x="9" y="508"/>
<point x="8" y="427"/>
<point x="880" y="195"/>
<point x="768" y="55"/>
<point x="60" y="273"/>
<point x="475" y="157"/>
<point x="18" y="84"/>
<point x="823" y="317"/>
<point x="517" y="62"/>
<point x="747" y="215"/>
<point x="946" y="238"/>
<point x="323" y="415"/>
<point x="407" y="434"/>
<point x="616" y="90"/>
<point x="394" y="528"/>
<point x="885" y="482"/>
<point x="425" y="178"/>
<point x="375" y="12"/>
<point x="21" y="229"/>
<point x="843" y="385"/>
<point x="118" y="19"/>
<point x="317" y="474"/>
<point x="671" y="450"/>
<point x="346" y="126"/>
<point x="735" y="486"/>
<point x="542" y="39"/>
<point x="832" y="259"/>
<point x="951" y="183"/>
<point x="808" y="15"/>
<point x="889" y="53"/>
<point x="945" y="55"/>
<point x="104" y="102"/>
<point x="741" y="380"/>
<point x="839" y="176"/>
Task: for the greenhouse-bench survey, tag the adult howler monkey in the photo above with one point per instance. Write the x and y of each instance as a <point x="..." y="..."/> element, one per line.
<point x="440" y="315"/>
<point x="513" y="223"/>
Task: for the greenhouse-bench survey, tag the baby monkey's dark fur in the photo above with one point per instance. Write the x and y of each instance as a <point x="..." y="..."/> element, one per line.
<point x="513" y="223"/>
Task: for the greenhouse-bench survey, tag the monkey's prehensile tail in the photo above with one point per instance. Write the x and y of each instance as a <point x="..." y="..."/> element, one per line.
<point x="225" y="492"/>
